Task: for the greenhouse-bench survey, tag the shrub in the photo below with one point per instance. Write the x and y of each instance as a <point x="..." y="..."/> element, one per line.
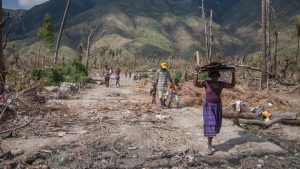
<point x="177" y="76"/>
<point x="55" y="75"/>
<point x="38" y="73"/>
<point x="74" y="72"/>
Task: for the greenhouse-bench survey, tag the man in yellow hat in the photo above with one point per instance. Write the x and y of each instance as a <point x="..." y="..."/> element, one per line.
<point x="162" y="77"/>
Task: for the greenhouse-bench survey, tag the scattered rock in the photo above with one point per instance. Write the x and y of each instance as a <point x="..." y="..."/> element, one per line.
<point x="68" y="87"/>
<point x="61" y="134"/>
<point x="260" y="161"/>
<point x="259" y="165"/>
<point x="44" y="167"/>
<point x="20" y="166"/>
<point x="39" y="162"/>
<point x="162" y="117"/>
<point x="16" y="152"/>
<point x="52" y="88"/>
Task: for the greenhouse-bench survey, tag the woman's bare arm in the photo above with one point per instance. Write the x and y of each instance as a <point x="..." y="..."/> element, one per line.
<point x="196" y="79"/>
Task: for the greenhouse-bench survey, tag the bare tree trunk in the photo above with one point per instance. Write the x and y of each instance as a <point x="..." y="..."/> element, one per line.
<point x="264" y="43"/>
<point x="298" y="36"/>
<point x="210" y="35"/>
<point x="205" y="31"/>
<point x="275" y="54"/>
<point x="2" y="62"/>
<point x="88" y="47"/>
<point x="297" y="55"/>
<point x="60" y="31"/>
<point x="197" y="56"/>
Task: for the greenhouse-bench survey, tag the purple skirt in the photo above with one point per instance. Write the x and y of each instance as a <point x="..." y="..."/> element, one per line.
<point x="212" y="115"/>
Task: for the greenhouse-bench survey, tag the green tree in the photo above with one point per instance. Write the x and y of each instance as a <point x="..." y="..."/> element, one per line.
<point x="45" y="32"/>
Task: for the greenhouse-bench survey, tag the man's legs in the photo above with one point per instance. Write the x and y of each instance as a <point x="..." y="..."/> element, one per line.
<point x="165" y="96"/>
<point x="177" y="100"/>
<point x="107" y="81"/>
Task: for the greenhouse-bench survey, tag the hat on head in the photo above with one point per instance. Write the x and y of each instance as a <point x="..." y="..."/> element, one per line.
<point x="164" y="65"/>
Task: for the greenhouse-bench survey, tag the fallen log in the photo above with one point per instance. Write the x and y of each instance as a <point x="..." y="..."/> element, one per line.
<point x="295" y="122"/>
<point x="287" y="118"/>
<point x="243" y="115"/>
<point x="260" y="123"/>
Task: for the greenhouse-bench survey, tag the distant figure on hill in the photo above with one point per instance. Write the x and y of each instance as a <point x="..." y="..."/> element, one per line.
<point x="126" y="73"/>
<point x="212" y="108"/>
<point x="118" y="72"/>
<point x="162" y="77"/>
<point x="106" y="74"/>
<point x="153" y="93"/>
<point x="130" y="75"/>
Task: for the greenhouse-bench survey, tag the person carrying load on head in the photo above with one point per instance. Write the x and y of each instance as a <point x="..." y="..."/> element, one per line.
<point x="212" y="108"/>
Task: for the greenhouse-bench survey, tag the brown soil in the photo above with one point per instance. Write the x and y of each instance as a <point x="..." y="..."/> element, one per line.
<point x="118" y="128"/>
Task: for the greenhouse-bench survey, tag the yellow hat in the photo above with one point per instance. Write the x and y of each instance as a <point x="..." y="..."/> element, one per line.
<point x="164" y="65"/>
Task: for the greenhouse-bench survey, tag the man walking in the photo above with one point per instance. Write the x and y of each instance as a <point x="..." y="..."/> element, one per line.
<point x="162" y="77"/>
<point x="106" y="74"/>
<point x="118" y="72"/>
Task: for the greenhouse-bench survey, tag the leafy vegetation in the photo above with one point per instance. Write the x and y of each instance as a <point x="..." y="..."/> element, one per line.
<point x="74" y="72"/>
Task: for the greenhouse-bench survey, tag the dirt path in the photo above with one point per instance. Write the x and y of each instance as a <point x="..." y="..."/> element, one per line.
<point x="117" y="128"/>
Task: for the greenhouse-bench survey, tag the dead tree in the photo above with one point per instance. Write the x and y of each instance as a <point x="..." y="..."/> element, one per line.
<point x="264" y="75"/>
<point x="91" y="40"/>
<point x="205" y="31"/>
<point x="298" y="37"/>
<point x="275" y="27"/>
<point x="88" y="47"/>
<point x="2" y="63"/>
<point x="60" y="31"/>
<point x="210" y="36"/>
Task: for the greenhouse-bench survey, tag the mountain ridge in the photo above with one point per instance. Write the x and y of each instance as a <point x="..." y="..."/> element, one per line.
<point x="159" y="28"/>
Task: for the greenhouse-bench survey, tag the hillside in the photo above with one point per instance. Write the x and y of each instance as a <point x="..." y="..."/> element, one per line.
<point x="160" y="28"/>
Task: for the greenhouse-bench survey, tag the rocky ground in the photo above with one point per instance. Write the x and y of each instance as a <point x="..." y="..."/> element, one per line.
<point x="118" y="128"/>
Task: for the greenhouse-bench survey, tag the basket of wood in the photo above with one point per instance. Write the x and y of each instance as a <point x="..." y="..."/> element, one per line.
<point x="215" y="66"/>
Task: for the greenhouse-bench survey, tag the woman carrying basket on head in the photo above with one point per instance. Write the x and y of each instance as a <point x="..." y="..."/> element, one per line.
<point x="212" y="108"/>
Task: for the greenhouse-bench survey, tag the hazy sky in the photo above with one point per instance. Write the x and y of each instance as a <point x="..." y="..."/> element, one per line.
<point x="21" y="4"/>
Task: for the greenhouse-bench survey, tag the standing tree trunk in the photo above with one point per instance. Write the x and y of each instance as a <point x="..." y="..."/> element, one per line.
<point x="275" y="54"/>
<point x="88" y="47"/>
<point x="298" y="42"/>
<point x="60" y="31"/>
<point x="264" y="42"/>
<point x="2" y="62"/>
<point x="205" y="31"/>
<point x="210" y="35"/>
<point x="197" y="57"/>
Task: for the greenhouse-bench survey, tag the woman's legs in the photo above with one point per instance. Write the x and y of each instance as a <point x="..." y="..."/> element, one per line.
<point x="209" y="145"/>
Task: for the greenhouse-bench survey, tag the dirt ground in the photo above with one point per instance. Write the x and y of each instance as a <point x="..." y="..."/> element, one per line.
<point x="118" y="128"/>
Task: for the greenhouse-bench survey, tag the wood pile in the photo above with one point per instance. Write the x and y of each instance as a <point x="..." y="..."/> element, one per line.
<point x="215" y="66"/>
